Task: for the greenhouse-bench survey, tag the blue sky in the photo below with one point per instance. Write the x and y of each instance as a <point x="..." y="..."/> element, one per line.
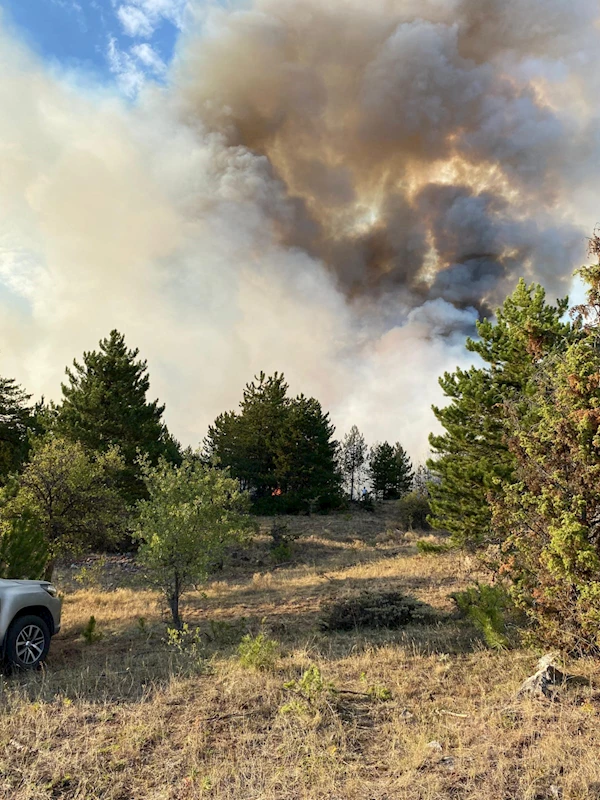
<point x="125" y="42"/>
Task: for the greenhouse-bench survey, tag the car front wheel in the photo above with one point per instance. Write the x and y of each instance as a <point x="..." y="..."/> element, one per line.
<point x="27" y="642"/>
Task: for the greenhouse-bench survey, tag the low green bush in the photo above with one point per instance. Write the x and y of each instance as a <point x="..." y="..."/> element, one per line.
<point x="188" y="648"/>
<point x="432" y="548"/>
<point x="488" y="608"/>
<point x="282" y="542"/>
<point x="23" y="548"/>
<point x="91" y="633"/>
<point x="413" y="510"/>
<point x="258" y="652"/>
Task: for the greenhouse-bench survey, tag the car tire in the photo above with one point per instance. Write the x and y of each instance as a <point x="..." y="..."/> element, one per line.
<point x="27" y="642"/>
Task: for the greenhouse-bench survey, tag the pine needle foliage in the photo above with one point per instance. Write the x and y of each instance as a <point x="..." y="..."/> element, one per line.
<point x="549" y="514"/>
<point x="105" y="406"/>
<point x="471" y="458"/>
<point x="486" y="606"/>
<point x="16" y="420"/>
<point x="281" y="449"/>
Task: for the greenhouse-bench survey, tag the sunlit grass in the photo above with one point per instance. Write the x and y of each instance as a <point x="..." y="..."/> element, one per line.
<point x="128" y="717"/>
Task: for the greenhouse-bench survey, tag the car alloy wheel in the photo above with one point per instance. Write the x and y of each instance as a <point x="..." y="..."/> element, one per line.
<point x="29" y="645"/>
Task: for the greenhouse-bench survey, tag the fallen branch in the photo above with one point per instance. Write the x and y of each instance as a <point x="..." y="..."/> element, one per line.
<point x="451" y="713"/>
<point x="219" y="717"/>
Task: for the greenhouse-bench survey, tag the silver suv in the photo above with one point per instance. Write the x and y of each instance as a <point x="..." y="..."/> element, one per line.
<point x="29" y="617"/>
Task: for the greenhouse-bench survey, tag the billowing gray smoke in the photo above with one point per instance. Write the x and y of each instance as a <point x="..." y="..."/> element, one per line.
<point x="418" y="144"/>
<point x="332" y="188"/>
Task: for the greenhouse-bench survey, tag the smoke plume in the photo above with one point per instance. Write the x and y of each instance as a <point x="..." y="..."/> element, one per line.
<point x="332" y="188"/>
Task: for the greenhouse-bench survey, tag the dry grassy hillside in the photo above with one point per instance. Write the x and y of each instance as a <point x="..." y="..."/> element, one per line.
<point x="423" y="712"/>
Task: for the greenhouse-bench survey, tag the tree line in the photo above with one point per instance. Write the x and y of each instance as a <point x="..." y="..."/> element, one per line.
<point x="100" y="470"/>
<point x="514" y="474"/>
<point x="517" y="465"/>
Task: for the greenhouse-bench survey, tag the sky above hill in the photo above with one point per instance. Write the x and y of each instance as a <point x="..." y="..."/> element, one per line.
<point x="334" y="189"/>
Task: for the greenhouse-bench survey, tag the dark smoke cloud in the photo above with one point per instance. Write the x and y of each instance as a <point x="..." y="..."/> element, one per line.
<point x="410" y="154"/>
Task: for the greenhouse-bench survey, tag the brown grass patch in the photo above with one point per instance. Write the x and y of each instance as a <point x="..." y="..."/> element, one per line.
<point x="127" y="718"/>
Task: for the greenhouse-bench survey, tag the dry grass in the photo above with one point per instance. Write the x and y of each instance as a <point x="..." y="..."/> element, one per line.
<point x="128" y="718"/>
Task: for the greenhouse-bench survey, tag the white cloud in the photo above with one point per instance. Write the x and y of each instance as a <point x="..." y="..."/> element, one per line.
<point x="130" y="76"/>
<point x="148" y="56"/>
<point x="142" y="17"/>
<point x="135" y="21"/>
<point x="133" y="67"/>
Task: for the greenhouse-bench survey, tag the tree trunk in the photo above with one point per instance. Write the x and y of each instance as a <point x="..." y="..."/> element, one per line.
<point x="49" y="569"/>
<point x="173" y="600"/>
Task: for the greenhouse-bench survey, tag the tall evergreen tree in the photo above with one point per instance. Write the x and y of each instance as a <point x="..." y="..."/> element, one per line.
<point x="390" y="471"/>
<point x="548" y="514"/>
<point x="104" y="405"/>
<point x="306" y="462"/>
<point x="471" y="457"/>
<point x="382" y="471"/>
<point x="280" y="449"/>
<point x="404" y="470"/>
<point x="353" y="455"/>
<point x="247" y="442"/>
<point x="16" y="419"/>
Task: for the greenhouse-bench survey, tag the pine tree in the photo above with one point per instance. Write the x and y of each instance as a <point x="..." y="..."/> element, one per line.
<point x="404" y="471"/>
<point x="382" y="470"/>
<point x="353" y="455"/>
<point x="247" y="442"/>
<point x="471" y="457"/>
<point x="549" y="511"/>
<point x="16" y="419"/>
<point x="280" y="449"/>
<point x="104" y="405"/>
<point x="306" y="467"/>
<point x="390" y="471"/>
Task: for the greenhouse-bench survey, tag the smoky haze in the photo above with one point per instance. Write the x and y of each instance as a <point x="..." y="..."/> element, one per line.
<point x="410" y="152"/>
<point x="336" y="189"/>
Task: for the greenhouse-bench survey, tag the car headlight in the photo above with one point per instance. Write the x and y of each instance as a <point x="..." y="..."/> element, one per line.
<point x="52" y="591"/>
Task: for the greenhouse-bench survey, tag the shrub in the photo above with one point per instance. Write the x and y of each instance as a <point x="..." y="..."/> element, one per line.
<point x="92" y="577"/>
<point x="310" y="687"/>
<point x="91" y="633"/>
<point x="311" y="684"/>
<point x="432" y="548"/>
<point x="376" y="690"/>
<point x="258" y="652"/>
<point x="413" y="510"/>
<point x="223" y="632"/>
<point x="487" y="607"/>
<point x="373" y="610"/>
<point x="281" y="545"/>
<point x="23" y="550"/>
<point x="73" y="495"/>
<point x="366" y="502"/>
<point x="187" y="643"/>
